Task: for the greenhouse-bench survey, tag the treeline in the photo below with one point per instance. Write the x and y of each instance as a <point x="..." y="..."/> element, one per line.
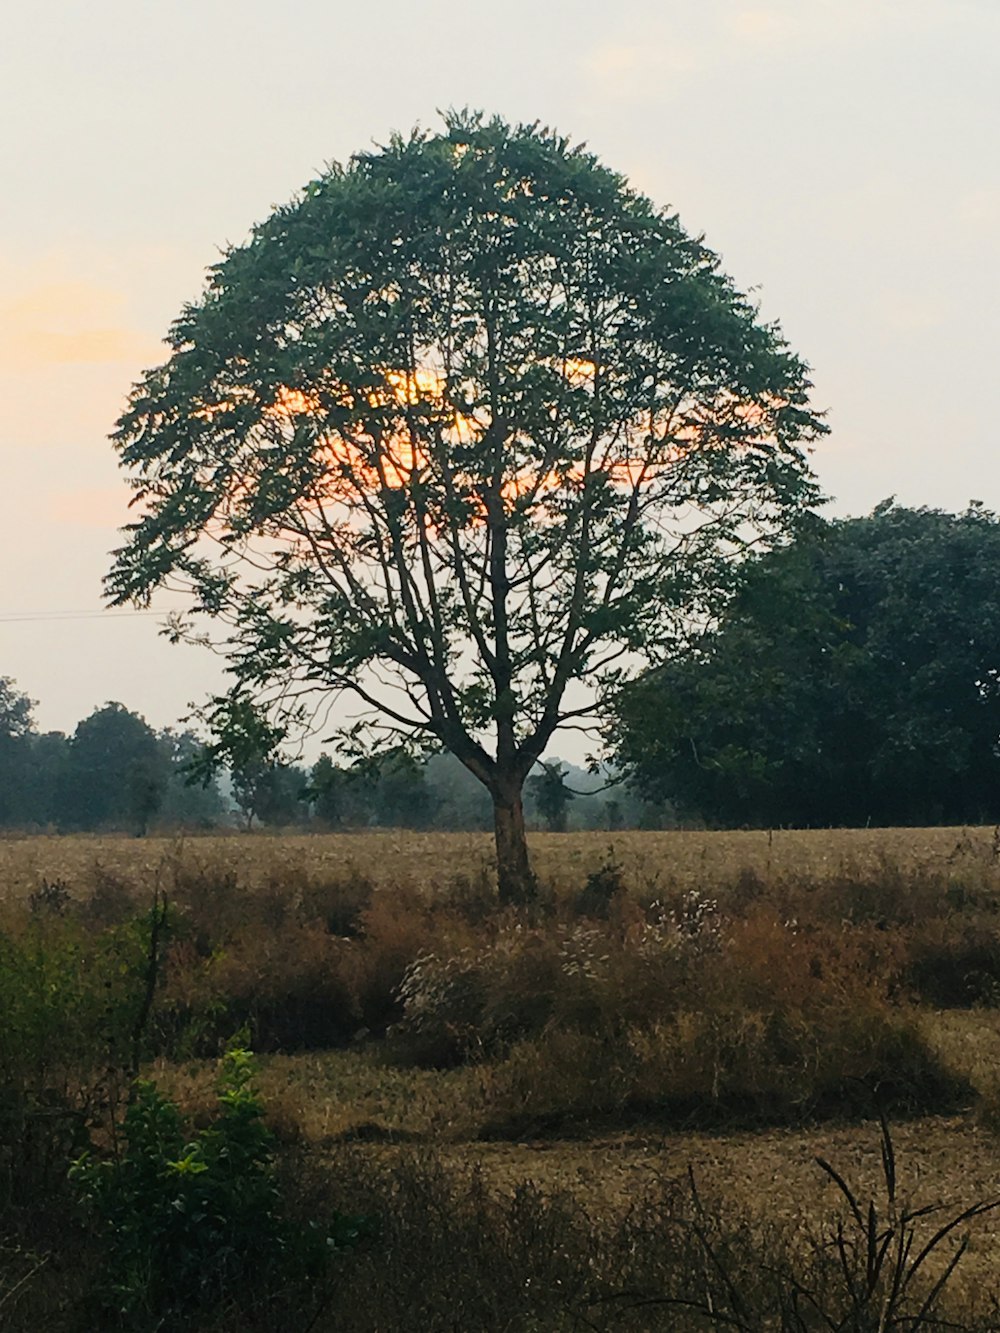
<point x="116" y="773"/>
<point x="113" y="772"/>
<point x="854" y="679"/>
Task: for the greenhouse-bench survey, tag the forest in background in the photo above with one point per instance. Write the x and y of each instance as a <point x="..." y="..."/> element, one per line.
<point x="115" y="773"/>
<point x="853" y="679"/>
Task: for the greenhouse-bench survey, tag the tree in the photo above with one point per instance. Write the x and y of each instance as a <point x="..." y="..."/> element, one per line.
<point x="330" y="793"/>
<point x="192" y="797"/>
<point x="281" y="795"/>
<point x="16" y="719"/>
<point x="466" y="422"/>
<point x="552" y="796"/>
<point x="394" y="789"/>
<point x="271" y="791"/>
<point x="856" y="678"/>
<point x="116" y="773"/>
<point x="456" y="799"/>
<point x="16" y="734"/>
<point x="44" y="781"/>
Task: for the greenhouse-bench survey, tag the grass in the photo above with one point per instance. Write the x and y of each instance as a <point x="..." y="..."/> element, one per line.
<point x="651" y="862"/>
<point x="735" y="1003"/>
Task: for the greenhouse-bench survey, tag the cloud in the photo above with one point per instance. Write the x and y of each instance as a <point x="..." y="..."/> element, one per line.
<point x="90" y="507"/>
<point x="41" y="348"/>
<point x="47" y="299"/>
<point x="58" y="322"/>
<point x="907" y="313"/>
<point x="724" y="35"/>
<point x="614" y="62"/>
<point x="765" y="27"/>
<point x="637" y="72"/>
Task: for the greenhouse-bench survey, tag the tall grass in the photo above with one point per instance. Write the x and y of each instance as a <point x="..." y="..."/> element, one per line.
<point x="763" y="997"/>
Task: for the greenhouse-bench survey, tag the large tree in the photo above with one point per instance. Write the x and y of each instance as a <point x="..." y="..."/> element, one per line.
<point x="855" y="679"/>
<point x="467" y="421"/>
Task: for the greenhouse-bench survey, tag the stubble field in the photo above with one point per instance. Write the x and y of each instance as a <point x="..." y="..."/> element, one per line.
<point x="649" y="861"/>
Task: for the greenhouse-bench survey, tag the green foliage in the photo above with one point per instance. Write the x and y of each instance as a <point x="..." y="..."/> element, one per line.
<point x="551" y="795"/>
<point x="191" y="798"/>
<point x="71" y="999"/>
<point x="470" y="419"/>
<point x="17" y="742"/>
<point x="15" y="711"/>
<point x="188" y="1222"/>
<point x="856" y="678"/>
<point x="387" y="790"/>
<point x="116" y="774"/>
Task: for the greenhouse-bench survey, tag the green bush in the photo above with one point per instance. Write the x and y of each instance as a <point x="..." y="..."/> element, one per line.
<point x="190" y="1222"/>
<point x="72" y="1004"/>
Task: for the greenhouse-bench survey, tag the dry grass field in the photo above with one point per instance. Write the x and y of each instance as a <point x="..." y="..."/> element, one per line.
<point x="651" y="862"/>
<point x="716" y="1014"/>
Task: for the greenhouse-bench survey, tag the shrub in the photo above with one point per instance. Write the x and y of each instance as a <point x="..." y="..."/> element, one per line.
<point x="190" y="1222"/>
<point x="523" y="1258"/>
<point x="72" y="1002"/>
<point x="601" y="888"/>
<point x="753" y="1021"/>
<point x="955" y="963"/>
<point x="292" y="988"/>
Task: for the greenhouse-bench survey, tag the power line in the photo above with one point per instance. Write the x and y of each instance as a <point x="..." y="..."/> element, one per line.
<point x="41" y="617"/>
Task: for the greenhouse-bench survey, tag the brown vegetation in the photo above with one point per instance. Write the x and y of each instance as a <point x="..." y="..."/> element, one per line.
<point x="651" y="862"/>
<point x="673" y="984"/>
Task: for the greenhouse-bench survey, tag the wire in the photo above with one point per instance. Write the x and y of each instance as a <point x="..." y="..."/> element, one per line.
<point x="41" y="617"/>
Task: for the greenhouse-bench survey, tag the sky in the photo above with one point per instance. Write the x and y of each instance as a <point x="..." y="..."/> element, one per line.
<point x="842" y="156"/>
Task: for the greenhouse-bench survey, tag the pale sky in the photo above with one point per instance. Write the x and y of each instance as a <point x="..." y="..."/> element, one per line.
<point x="842" y="156"/>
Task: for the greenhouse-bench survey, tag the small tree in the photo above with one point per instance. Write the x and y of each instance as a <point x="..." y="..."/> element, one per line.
<point x="466" y="422"/>
<point x="17" y="733"/>
<point x="330" y="793"/>
<point x="552" y="796"/>
<point x="192" y="797"/>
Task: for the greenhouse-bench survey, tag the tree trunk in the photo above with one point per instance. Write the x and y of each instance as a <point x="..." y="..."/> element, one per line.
<point x="516" y="883"/>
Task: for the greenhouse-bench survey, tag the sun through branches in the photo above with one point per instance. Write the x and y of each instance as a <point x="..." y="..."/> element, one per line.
<point x="467" y="421"/>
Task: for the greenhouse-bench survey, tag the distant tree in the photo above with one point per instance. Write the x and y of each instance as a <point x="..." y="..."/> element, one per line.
<point x="397" y="789"/>
<point x="116" y="773"/>
<point x="281" y="796"/>
<point x="191" y="797"/>
<point x="468" y="421"/>
<point x="16" y="719"/>
<point x="16" y="733"/>
<point x="551" y="795"/>
<point x="243" y="741"/>
<point x="456" y="799"/>
<point x="856" y="678"/>
<point x="46" y="781"/>
<point x="330" y="793"/>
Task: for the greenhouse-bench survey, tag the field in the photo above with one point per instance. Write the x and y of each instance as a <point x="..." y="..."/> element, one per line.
<point x="660" y="1050"/>
<point x="650" y="862"/>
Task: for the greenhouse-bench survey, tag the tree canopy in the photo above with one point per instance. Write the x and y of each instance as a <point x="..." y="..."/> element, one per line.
<point x="468" y="421"/>
<point x="16" y="717"/>
<point x="856" y="678"/>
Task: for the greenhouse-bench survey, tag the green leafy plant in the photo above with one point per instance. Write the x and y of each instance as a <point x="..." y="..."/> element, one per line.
<point x="74" y="1005"/>
<point x="189" y="1222"/>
